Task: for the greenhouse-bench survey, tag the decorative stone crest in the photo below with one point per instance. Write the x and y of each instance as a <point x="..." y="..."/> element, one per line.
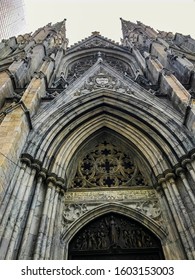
<point x="82" y="65"/>
<point x="103" y="79"/>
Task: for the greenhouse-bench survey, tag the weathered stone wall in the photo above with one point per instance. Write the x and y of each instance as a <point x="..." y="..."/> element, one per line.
<point x="136" y="100"/>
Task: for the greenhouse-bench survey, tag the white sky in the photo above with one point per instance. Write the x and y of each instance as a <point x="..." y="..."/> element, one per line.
<point x="83" y="17"/>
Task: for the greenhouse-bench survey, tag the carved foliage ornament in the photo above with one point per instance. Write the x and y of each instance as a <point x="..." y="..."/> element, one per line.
<point x="102" y="79"/>
<point x="150" y="208"/>
<point x="72" y="212"/>
<point x="107" y="166"/>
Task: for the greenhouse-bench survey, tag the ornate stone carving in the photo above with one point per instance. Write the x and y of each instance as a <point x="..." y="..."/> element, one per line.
<point x="72" y="212"/>
<point x="51" y="95"/>
<point x="81" y="66"/>
<point x="102" y="79"/>
<point x="107" y="166"/>
<point x="113" y="231"/>
<point x="95" y="41"/>
<point x="143" y="201"/>
<point x="165" y="35"/>
<point x="148" y="207"/>
<point x="115" y="195"/>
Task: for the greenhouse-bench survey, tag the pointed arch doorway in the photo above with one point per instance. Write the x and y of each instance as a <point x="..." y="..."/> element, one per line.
<point x="113" y="236"/>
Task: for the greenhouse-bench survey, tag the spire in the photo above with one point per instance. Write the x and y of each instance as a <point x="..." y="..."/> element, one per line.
<point x="131" y="27"/>
<point x="57" y="31"/>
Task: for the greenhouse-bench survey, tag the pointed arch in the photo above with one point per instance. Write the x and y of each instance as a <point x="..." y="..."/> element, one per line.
<point x="112" y="207"/>
<point x="158" y="138"/>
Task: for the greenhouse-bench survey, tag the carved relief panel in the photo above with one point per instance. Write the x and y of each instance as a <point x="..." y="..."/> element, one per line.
<point x="112" y="232"/>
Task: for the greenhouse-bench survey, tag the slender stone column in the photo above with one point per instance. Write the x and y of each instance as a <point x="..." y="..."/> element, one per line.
<point x="193" y="160"/>
<point x="191" y="171"/>
<point x="193" y="164"/>
<point x="22" y="214"/>
<point x="181" y="174"/>
<point x="51" y="225"/>
<point x="178" y="220"/>
<point x="188" y="164"/>
<point x="13" y="211"/>
<point x="44" y="222"/>
<point x="32" y="221"/>
<point x="47" y="226"/>
<point x="6" y="207"/>
<point x="171" y="242"/>
<point x="181" y="206"/>
<point x="58" y="249"/>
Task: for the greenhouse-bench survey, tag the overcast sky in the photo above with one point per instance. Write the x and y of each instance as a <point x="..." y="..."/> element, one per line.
<point x="83" y="17"/>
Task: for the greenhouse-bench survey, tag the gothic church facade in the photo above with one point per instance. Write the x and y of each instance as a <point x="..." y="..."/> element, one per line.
<point x="97" y="154"/>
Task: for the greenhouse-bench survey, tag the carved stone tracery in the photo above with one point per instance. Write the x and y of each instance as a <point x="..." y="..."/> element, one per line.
<point x="107" y="166"/>
<point x="79" y="67"/>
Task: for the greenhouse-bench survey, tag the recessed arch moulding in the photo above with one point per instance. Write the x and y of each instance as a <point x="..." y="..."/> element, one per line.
<point x="151" y="134"/>
<point x="152" y="127"/>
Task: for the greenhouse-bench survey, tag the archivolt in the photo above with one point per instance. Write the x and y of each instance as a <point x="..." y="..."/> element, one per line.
<point x="159" y="138"/>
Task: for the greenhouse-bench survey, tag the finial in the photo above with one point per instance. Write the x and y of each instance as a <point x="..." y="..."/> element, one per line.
<point x="95" y="33"/>
<point x="99" y="54"/>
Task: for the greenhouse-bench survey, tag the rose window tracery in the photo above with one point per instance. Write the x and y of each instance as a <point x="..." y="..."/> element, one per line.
<point x="107" y="166"/>
<point x="80" y="67"/>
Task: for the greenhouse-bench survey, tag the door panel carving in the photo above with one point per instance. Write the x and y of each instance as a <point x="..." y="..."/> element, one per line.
<point x="115" y="236"/>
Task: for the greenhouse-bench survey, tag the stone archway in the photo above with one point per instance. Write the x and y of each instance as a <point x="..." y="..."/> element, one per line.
<point x="130" y="215"/>
<point x="115" y="236"/>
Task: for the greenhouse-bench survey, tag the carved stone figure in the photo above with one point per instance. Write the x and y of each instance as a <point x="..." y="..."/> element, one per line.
<point x="113" y="231"/>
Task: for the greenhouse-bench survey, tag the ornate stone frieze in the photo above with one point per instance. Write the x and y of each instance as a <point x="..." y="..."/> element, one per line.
<point x="110" y="195"/>
<point x="150" y="208"/>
